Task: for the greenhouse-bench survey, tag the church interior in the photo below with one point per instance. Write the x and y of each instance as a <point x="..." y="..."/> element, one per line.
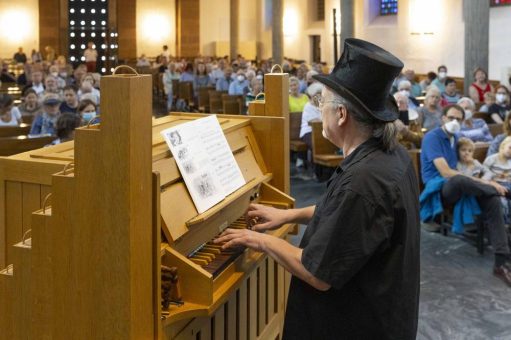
<point x="105" y="233"/>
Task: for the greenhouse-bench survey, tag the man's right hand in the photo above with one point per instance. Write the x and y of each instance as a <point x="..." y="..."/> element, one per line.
<point x="261" y="217"/>
<point x="502" y="190"/>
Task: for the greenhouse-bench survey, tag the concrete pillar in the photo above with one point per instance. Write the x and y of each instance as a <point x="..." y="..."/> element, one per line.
<point x="347" y="20"/>
<point x="277" y="42"/>
<point x="234" y="29"/>
<point x="476" y="15"/>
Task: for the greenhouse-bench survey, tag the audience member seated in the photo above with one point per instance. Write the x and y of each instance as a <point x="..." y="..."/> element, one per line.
<point x="78" y="74"/>
<point x="256" y="87"/>
<point x="169" y="75"/>
<point x="430" y="114"/>
<point x="30" y="107"/>
<point x="426" y="82"/>
<point x="87" y="86"/>
<point x="405" y="87"/>
<point x="415" y="89"/>
<point x="87" y="111"/>
<point x="480" y="86"/>
<point x="446" y="185"/>
<point x="310" y="112"/>
<point x="410" y="131"/>
<point x="36" y="56"/>
<point x="301" y="75"/>
<point x="439" y="81"/>
<point x="9" y="114"/>
<point x="201" y="78"/>
<point x="475" y="129"/>
<point x="489" y="100"/>
<point x="5" y="75"/>
<point x="54" y="72"/>
<point x="143" y="61"/>
<point x="37" y="82"/>
<point x="297" y="100"/>
<point x="217" y="72"/>
<point x="495" y="144"/>
<point x="450" y="96"/>
<point x="309" y="78"/>
<point x="51" y="85"/>
<point x="467" y="165"/>
<point x="70" y="103"/>
<point x="65" y="127"/>
<point x="225" y="81"/>
<point x="501" y="108"/>
<point x="20" y="57"/>
<point x="44" y="124"/>
<point x="187" y="74"/>
<point x="240" y="86"/>
<point x="498" y="168"/>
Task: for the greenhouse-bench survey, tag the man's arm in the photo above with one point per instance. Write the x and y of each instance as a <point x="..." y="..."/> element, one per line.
<point x="446" y="172"/>
<point x="287" y="255"/>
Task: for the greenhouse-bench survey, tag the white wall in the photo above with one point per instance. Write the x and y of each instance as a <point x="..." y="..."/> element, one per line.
<point x="214" y="25"/>
<point x="19" y="26"/>
<point x="500" y="43"/>
<point x="156" y="26"/>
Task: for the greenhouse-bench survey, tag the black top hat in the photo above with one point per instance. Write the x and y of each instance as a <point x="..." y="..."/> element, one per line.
<point x="364" y="76"/>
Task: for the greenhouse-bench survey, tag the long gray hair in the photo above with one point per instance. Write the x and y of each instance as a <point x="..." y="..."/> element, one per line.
<point x="384" y="131"/>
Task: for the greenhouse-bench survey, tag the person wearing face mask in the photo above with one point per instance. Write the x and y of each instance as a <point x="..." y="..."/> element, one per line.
<point x="439" y="81"/>
<point x="480" y="86"/>
<point x="472" y="128"/>
<point x="87" y="110"/>
<point x="405" y="87"/>
<point x="501" y="107"/>
<point x="54" y="72"/>
<point x="450" y="96"/>
<point x="444" y="184"/>
<point x="240" y="86"/>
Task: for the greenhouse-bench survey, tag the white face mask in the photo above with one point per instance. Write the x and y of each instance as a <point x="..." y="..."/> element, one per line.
<point x="55" y="74"/>
<point x="452" y="127"/>
<point x="405" y="93"/>
<point x="468" y="114"/>
<point x="260" y="77"/>
<point x="63" y="74"/>
<point x="500" y="97"/>
<point x="240" y="78"/>
<point x="442" y="75"/>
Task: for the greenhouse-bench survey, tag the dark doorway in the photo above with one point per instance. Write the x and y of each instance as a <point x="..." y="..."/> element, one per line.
<point x="315" y="48"/>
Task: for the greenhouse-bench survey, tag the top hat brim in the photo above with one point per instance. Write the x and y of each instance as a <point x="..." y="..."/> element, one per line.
<point x="389" y="113"/>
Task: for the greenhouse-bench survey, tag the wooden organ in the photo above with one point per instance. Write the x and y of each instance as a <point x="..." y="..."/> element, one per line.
<point x="86" y="261"/>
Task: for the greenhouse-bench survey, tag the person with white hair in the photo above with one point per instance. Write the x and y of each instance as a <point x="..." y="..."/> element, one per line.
<point x="410" y="131"/>
<point x="405" y="88"/>
<point x="430" y="115"/>
<point x="472" y="128"/>
<point x="310" y="112"/>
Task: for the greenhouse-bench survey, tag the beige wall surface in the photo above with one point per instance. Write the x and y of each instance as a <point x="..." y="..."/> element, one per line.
<point x="19" y="26"/>
<point x="156" y="26"/>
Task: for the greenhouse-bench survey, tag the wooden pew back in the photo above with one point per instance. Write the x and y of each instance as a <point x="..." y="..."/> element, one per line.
<point x="14" y="145"/>
<point x="12" y="131"/>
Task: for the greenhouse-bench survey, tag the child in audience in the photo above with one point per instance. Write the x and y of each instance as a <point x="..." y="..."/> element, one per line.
<point x="489" y="100"/>
<point x="467" y="165"/>
<point x="499" y="170"/>
<point x="65" y="127"/>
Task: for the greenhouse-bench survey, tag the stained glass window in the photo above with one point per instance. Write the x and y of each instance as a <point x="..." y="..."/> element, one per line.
<point x="388" y="7"/>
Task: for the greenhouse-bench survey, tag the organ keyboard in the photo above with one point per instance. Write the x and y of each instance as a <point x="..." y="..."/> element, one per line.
<point x="119" y="212"/>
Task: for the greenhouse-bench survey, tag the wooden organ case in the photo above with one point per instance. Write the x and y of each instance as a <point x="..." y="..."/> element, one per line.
<point x="85" y="263"/>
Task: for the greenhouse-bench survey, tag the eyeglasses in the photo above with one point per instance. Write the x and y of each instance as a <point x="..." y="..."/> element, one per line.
<point x="451" y="118"/>
<point x="322" y="102"/>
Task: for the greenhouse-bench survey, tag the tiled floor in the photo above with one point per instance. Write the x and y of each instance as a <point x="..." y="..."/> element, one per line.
<point x="460" y="298"/>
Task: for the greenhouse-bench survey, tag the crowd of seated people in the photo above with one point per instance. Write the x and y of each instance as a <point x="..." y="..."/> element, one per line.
<point x="447" y="131"/>
<point x="51" y="96"/>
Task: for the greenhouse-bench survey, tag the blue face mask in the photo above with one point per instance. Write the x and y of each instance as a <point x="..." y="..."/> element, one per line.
<point x="88" y="116"/>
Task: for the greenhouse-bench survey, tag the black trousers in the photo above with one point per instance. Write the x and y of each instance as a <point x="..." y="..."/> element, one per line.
<point x="488" y="199"/>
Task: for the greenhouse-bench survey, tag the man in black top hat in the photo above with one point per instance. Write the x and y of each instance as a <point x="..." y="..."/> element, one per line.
<point x="356" y="271"/>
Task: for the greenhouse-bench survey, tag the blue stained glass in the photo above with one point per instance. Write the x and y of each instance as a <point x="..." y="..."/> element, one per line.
<point x="388" y="7"/>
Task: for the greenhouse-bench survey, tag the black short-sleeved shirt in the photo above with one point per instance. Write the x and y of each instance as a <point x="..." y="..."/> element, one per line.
<point x="363" y="240"/>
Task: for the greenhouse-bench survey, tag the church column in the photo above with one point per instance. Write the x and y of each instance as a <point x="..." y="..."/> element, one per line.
<point x="476" y="15"/>
<point x="347" y="20"/>
<point x="235" y="13"/>
<point x="277" y="42"/>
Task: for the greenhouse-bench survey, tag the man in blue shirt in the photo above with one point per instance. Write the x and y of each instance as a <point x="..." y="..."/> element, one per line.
<point x="240" y="86"/>
<point x="439" y="157"/>
<point x="223" y="83"/>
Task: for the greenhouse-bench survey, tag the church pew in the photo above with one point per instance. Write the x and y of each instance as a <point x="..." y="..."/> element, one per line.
<point x="295" y="143"/>
<point x="14" y="145"/>
<point x="12" y="131"/>
<point x="496" y="129"/>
